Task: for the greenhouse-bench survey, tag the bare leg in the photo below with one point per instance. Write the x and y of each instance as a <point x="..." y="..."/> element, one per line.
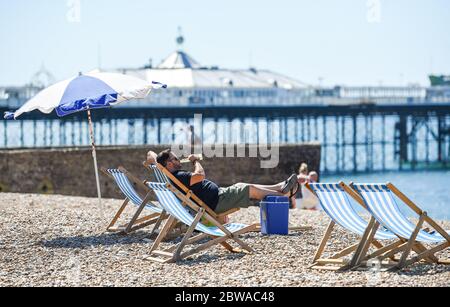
<point x="257" y="193"/>
<point x="277" y="187"/>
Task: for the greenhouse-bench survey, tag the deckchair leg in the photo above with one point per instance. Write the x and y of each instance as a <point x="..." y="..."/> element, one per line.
<point x="147" y="218"/>
<point x="190" y="241"/>
<point x="187" y="236"/>
<point x="363" y="255"/>
<point x="163" y="233"/>
<point x="143" y="225"/>
<point x="383" y="250"/>
<point x="242" y="244"/>
<point x="411" y="242"/>
<point x="393" y="252"/>
<point x="234" y="250"/>
<point x="427" y="253"/>
<point x="138" y="213"/>
<point x="419" y="248"/>
<point x="158" y="223"/>
<point x="230" y="248"/>
<point x="204" y="246"/>
<point x="377" y="244"/>
<point x="345" y="252"/>
<point x="218" y="240"/>
<point x="366" y="245"/>
<point x="324" y="241"/>
<point x="118" y="214"/>
<point x="234" y="237"/>
<point x="363" y="242"/>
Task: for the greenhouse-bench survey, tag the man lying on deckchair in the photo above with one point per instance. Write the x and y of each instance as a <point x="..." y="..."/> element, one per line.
<point x="240" y="195"/>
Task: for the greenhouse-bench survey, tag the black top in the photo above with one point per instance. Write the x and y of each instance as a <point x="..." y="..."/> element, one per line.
<point x="206" y="190"/>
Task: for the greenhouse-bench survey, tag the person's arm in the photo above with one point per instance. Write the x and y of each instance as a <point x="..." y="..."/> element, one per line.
<point x="199" y="173"/>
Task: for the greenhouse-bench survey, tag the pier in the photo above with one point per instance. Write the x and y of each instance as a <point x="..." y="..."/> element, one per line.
<point x="354" y="138"/>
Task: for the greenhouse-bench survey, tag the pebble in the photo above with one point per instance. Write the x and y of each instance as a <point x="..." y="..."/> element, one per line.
<point x="61" y="241"/>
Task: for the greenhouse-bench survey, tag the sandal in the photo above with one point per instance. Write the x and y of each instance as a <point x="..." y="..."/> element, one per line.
<point x="292" y="196"/>
<point x="297" y="188"/>
<point x="289" y="184"/>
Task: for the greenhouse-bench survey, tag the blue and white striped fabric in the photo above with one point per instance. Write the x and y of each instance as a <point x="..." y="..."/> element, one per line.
<point x="383" y="206"/>
<point x="173" y="206"/>
<point x="128" y="190"/>
<point x="160" y="176"/>
<point x="335" y="202"/>
<point x="93" y="90"/>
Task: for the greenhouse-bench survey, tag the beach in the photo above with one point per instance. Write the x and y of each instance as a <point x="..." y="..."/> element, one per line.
<point x="61" y="241"/>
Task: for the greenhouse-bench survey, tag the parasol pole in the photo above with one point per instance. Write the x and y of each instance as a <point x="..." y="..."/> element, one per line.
<point x="94" y="156"/>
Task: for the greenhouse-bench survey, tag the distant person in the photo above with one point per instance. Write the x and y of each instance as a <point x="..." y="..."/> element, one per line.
<point x="223" y="199"/>
<point x="308" y="200"/>
<point x="306" y="176"/>
<point x="313" y="177"/>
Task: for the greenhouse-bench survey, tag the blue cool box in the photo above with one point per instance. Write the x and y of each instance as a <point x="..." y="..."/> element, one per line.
<point x="275" y="215"/>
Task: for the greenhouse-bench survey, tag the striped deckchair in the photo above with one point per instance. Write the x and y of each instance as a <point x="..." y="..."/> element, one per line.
<point x="159" y="172"/>
<point x="162" y="175"/>
<point x="382" y="204"/>
<point x="125" y="181"/>
<point x="175" y="204"/>
<point x="336" y="204"/>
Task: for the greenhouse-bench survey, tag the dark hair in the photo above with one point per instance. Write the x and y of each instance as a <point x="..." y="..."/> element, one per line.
<point x="163" y="157"/>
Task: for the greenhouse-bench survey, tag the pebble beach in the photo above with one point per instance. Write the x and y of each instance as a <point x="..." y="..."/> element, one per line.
<point x="61" y="241"/>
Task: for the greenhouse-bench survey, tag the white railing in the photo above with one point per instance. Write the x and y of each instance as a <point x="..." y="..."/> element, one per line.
<point x="172" y="97"/>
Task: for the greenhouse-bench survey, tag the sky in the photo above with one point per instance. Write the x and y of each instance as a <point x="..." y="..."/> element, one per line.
<point x="327" y="42"/>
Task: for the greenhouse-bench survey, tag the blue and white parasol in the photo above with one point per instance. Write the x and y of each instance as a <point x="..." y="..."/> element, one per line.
<point x="84" y="93"/>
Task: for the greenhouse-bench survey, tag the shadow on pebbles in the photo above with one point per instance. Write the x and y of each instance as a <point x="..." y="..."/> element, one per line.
<point x="60" y="241"/>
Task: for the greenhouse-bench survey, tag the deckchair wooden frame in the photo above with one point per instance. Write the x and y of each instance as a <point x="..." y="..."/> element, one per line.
<point x="410" y="244"/>
<point x="176" y="252"/>
<point x="135" y="222"/>
<point x="189" y="193"/>
<point x="360" y="249"/>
